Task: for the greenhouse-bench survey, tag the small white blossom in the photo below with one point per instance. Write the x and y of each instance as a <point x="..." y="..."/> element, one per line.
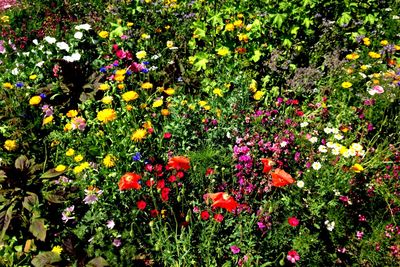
<point x="35" y="41"/>
<point x="338" y="136"/>
<point x="300" y="184"/>
<point x="335" y="130"/>
<point x="63" y="46"/>
<point x="78" y="35"/>
<point x="76" y="56"/>
<point x="330" y="225"/>
<point x="327" y="130"/>
<point x="316" y="165"/>
<point x="85" y="27"/>
<point x="39" y="64"/>
<point x="313" y="139"/>
<point x="304" y="124"/>
<point x="322" y="149"/>
<point x="15" y="71"/>
<point x="283" y="144"/>
<point x="50" y="40"/>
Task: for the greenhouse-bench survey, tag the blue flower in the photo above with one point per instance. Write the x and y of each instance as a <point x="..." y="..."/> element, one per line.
<point x="19" y="84"/>
<point x="145" y="70"/>
<point x="103" y="69"/>
<point x="137" y="156"/>
<point x="42" y="95"/>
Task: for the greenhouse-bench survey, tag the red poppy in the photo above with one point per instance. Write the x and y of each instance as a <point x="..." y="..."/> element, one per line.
<point x="179" y="163"/>
<point x="141" y="204"/>
<point x="180" y="175"/>
<point x="205" y="215"/>
<point x="268" y="163"/>
<point x="218" y="217"/>
<point x="154" y="213"/>
<point x="129" y="180"/>
<point x="209" y="171"/>
<point x="172" y="178"/>
<point x="165" y="193"/>
<point x="281" y="178"/>
<point x="293" y="221"/>
<point x="167" y="135"/>
<point x="222" y="200"/>
<point x="161" y="184"/>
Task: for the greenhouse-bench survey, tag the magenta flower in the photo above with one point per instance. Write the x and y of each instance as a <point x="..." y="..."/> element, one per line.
<point x="293" y="221"/>
<point x="235" y="249"/>
<point x="293" y="256"/>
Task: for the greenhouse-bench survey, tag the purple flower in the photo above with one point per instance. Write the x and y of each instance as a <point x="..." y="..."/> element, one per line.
<point x="235" y="249"/>
<point x="359" y="234"/>
<point x="67" y="214"/>
<point x="137" y="156"/>
<point x="117" y="242"/>
<point x="92" y="194"/>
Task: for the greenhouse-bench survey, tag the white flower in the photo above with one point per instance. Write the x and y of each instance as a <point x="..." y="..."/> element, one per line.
<point x="85" y="27"/>
<point x="110" y="224"/>
<point x="300" y="184"/>
<point x="356" y="146"/>
<point x="35" y="41"/>
<point x="25" y="54"/>
<point x="156" y="57"/>
<point x="78" y="35"/>
<point x="327" y="130"/>
<point x="338" y="136"/>
<point x="68" y="58"/>
<point x="39" y="64"/>
<point x="50" y="40"/>
<point x="283" y="143"/>
<point x="313" y="139"/>
<point x="330" y="144"/>
<point x="48" y="53"/>
<point x="15" y="71"/>
<point x="335" y="130"/>
<point x="362" y="75"/>
<point x="303" y="124"/>
<point x="346" y="153"/>
<point x="153" y="68"/>
<point x="335" y="151"/>
<point x="316" y="165"/>
<point x="63" y="46"/>
<point x="330" y="225"/>
<point x="322" y="149"/>
<point x="76" y="56"/>
<point x="352" y="152"/>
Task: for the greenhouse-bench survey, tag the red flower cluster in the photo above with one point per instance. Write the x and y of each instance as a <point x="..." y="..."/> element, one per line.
<point x="222" y="200"/>
<point x="129" y="181"/>
<point x="179" y="163"/>
<point x="281" y="178"/>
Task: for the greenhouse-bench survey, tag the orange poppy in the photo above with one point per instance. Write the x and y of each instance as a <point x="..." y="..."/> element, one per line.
<point x="179" y="163"/>
<point x="129" y="181"/>
<point x="268" y="163"/>
<point x="281" y="178"/>
<point x="222" y="200"/>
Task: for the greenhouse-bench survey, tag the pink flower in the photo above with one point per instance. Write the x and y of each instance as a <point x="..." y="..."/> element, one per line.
<point x="359" y="234"/>
<point x="293" y="256"/>
<point x="377" y="89"/>
<point x="293" y="221"/>
<point x="235" y="249"/>
<point x="218" y="217"/>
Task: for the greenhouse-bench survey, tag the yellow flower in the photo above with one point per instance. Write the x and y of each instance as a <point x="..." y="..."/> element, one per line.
<point x="103" y="34"/>
<point x="258" y="95"/>
<point x="144" y="36"/>
<point x="346" y="84"/>
<point x="248" y="27"/>
<point x="47" y="120"/>
<point x="72" y="113"/>
<point x="141" y="54"/>
<point x="138" y="135"/>
<point x="104" y="87"/>
<point x="165" y="112"/>
<point x="157" y="103"/>
<point x="129" y="107"/>
<point x="169" y="91"/>
<point x="107" y="100"/>
<point x="374" y="55"/>
<point x="70" y="152"/>
<point x="366" y="41"/>
<point x="218" y="92"/>
<point x="78" y="158"/>
<point x="57" y="250"/>
<point x="192" y="106"/>
<point x="397" y="47"/>
<point x="129" y="24"/>
<point x="207" y="107"/>
<point x="120" y="72"/>
<point x="10" y="145"/>
<point x="352" y="56"/>
<point x="109" y="161"/>
<point x="375" y="81"/>
<point x="35" y="100"/>
<point x="243" y="37"/>
<point x="357" y="168"/>
<point x="121" y="86"/>
<point x="5" y="19"/>
<point x="129" y="96"/>
<point x="143" y="106"/>
<point x="238" y="23"/>
<point x="33" y="76"/>
<point x="147" y="125"/>
<point x="7" y="85"/>
<point x="147" y="85"/>
<point x="106" y="115"/>
<point x="384" y="42"/>
<point x="119" y="77"/>
<point x="223" y="51"/>
<point x="67" y="127"/>
<point x="240" y="15"/>
<point x="229" y="27"/>
<point x="202" y="103"/>
<point x="363" y="67"/>
<point x="170" y="44"/>
<point x="60" y="168"/>
<point x="253" y="86"/>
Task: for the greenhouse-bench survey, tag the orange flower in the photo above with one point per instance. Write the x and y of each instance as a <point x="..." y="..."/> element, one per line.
<point x="129" y="180"/>
<point x="268" y="163"/>
<point x="178" y="163"/>
<point x="222" y="200"/>
<point x="281" y="178"/>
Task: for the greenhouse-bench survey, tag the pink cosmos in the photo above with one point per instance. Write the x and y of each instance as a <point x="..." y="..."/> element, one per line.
<point x="377" y="89"/>
<point x="235" y="249"/>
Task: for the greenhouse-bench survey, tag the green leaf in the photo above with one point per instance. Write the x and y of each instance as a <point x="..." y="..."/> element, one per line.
<point x="53" y="198"/>
<point x="201" y="64"/>
<point x="344" y="19"/>
<point x="287" y="43"/>
<point x="30" y="201"/>
<point x="257" y="55"/>
<point x="45" y="258"/>
<point x="6" y="221"/>
<point x="278" y="19"/>
<point x="97" y="262"/>
<point x="3" y="176"/>
<point x="370" y="19"/>
<point x="307" y="22"/>
<point x="38" y="229"/>
<point x="51" y="174"/>
<point x="22" y="163"/>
